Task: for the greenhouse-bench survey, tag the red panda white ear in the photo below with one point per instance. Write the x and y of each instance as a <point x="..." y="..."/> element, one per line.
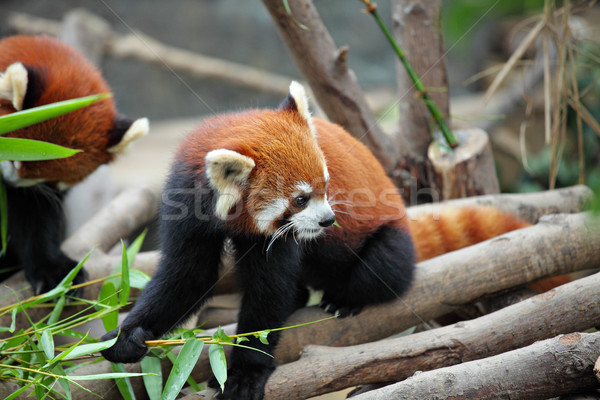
<point x="13" y="84"/>
<point x="227" y="171"/>
<point x="298" y="101"/>
<point x="136" y="130"/>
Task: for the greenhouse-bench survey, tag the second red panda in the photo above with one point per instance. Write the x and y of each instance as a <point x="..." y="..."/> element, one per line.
<point x="35" y="71"/>
<point x="274" y="182"/>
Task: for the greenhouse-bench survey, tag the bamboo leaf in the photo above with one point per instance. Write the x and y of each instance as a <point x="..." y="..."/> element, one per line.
<point x="17" y="149"/>
<point x="135" y="247"/>
<point x="47" y="344"/>
<point x="108" y="297"/>
<point x="57" y="310"/>
<point x="218" y="363"/>
<point x="90" y="348"/>
<point x="263" y="336"/>
<point x="22" y="119"/>
<point x="124" y="296"/>
<point x="3" y="217"/>
<point x="152" y="381"/>
<point x="187" y="358"/>
<point x="114" y="375"/>
<point x="123" y="384"/>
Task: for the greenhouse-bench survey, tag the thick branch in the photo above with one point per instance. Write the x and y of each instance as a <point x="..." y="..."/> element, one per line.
<point x="125" y="213"/>
<point x="527" y="206"/>
<point x="334" y="85"/>
<point x="510" y="260"/>
<point x="543" y="370"/>
<point x="571" y="307"/>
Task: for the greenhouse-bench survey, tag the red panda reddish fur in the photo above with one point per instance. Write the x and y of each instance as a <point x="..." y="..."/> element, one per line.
<point x="61" y="73"/>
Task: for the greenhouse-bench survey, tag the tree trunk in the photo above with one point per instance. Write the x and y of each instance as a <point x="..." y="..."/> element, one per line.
<point x="543" y="370"/>
<point x="416" y="28"/>
<point x="333" y="84"/>
<point x="571" y="307"/>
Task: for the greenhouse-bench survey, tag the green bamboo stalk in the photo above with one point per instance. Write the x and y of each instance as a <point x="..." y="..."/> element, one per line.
<point x="414" y="77"/>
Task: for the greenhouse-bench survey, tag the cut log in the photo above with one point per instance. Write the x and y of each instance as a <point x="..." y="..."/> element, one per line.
<point x="467" y="170"/>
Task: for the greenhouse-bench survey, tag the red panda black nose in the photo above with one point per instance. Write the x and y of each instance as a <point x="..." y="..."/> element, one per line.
<point x="327" y="222"/>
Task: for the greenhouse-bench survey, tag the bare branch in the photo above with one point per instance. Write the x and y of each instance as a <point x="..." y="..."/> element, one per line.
<point x="143" y="47"/>
<point x="571" y="307"/>
<point x="125" y="213"/>
<point x="543" y="370"/>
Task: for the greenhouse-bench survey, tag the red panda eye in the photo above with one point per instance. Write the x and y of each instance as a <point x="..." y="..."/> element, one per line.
<point x="301" y="201"/>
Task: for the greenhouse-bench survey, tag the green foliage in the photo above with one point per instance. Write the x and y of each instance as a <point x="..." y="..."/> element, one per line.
<point x="30" y="356"/>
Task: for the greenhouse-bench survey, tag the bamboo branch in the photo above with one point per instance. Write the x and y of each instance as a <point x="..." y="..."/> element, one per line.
<point x="542" y="370"/>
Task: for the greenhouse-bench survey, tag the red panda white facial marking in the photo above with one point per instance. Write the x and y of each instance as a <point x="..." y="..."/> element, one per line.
<point x="315" y="215"/>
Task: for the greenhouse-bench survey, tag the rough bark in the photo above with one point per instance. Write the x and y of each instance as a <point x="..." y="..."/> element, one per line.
<point x="334" y="85"/>
<point x="542" y="370"/>
<point x="416" y="28"/>
<point x="571" y="307"/>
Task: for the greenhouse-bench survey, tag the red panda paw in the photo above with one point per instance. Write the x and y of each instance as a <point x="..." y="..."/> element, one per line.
<point x="339" y="310"/>
<point x="130" y="347"/>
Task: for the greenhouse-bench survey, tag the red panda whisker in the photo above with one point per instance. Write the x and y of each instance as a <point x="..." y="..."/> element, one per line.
<point x="335" y="211"/>
<point x="282" y="230"/>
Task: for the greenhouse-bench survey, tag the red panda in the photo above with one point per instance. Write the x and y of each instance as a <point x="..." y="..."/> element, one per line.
<point x="38" y="70"/>
<point x="274" y="182"/>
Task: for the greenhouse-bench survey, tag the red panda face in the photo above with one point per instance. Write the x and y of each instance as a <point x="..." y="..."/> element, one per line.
<point x="39" y="70"/>
<point x="272" y="165"/>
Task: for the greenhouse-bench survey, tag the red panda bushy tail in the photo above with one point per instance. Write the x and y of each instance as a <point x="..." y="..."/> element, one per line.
<point x="455" y="228"/>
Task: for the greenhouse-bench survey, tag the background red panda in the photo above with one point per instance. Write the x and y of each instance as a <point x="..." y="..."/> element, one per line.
<point x="38" y="70"/>
<point x="274" y="182"/>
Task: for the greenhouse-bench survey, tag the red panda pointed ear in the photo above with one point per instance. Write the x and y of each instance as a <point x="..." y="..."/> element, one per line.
<point x="297" y="101"/>
<point x="227" y="171"/>
<point x="13" y="84"/>
<point x="126" y="131"/>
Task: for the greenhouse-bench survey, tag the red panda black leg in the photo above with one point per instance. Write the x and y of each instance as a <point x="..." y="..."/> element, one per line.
<point x="191" y="250"/>
<point x="36" y="230"/>
<point x="270" y="284"/>
<point x="381" y="270"/>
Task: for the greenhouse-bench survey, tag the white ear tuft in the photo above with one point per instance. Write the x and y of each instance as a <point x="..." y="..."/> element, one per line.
<point x="138" y="129"/>
<point x="227" y="171"/>
<point x="299" y="95"/>
<point x="13" y="84"/>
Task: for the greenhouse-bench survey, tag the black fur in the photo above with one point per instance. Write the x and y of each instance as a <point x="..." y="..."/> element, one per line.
<point x="35" y="232"/>
<point x="273" y="284"/>
<point x="36" y="84"/>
